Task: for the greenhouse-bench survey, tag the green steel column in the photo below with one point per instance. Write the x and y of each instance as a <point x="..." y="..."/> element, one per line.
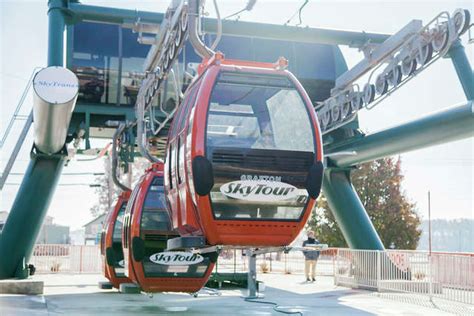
<point x="29" y="208"/>
<point x="56" y="26"/>
<point x="451" y="124"/>
<point x="34" y="195"/>
<point x="112" y="15"/>
<point x="348" y="211"/>
<point x="463" y="68"/>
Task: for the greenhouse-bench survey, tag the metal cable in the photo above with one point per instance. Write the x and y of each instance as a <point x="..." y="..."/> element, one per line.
<point x="276" y="307"/>
<point x="219" y="27"/>
<point x="248" y="7"/>
<point x="299" y="14"/>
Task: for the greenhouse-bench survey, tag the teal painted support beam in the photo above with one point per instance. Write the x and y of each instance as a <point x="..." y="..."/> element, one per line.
<point x="339" y="61"/>
<point x="348" y="211"/>
<point x="294" y="33"/>
<point x="112" y="15"/>
<point x="56" y="26"/>
<point x="28" y="211"/>
<point x="103" y="109"/>
<point x="452" y="124"/>
<point x="231" y="27"/>
<point x="463" y="68"/>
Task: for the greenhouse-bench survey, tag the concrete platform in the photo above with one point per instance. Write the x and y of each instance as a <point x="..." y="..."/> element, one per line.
<point x="79" y="295"/>
<point x="27" y="286"/>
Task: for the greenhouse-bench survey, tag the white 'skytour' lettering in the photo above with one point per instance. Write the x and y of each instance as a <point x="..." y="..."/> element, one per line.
<point x="176" y="258"/>
<point x="54" y="84"/>
<point x="259" y="190"/>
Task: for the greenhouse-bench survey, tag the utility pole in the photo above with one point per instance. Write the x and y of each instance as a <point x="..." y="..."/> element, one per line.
<point x="429" y="222"/>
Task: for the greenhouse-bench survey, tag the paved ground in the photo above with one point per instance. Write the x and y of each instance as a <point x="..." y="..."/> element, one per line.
<point x="79" y="295"/>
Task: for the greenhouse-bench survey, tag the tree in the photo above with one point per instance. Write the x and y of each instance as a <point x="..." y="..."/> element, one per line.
<point x="107" y="191"/>
<point x="378" y="185"/>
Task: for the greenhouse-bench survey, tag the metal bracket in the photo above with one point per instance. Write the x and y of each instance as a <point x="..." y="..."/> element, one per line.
<point x="36" y="153"/>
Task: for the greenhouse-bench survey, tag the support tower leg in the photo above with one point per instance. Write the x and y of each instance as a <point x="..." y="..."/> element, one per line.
<point x="39" y="183"/>
<point x="463" y="68"/>
<point x="348" y="211"/>
<point x="28" y="211"/>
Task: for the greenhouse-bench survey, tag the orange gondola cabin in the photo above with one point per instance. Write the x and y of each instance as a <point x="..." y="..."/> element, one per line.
<point x="147" y="228"/>
<point x="111" y="243"/>
<point x="244" y="155"/>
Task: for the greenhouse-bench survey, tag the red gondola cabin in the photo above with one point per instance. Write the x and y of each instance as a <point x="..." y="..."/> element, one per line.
<point x="147" y="228"/>
<point x="244" y="155"/>
<point x="111" y="243"/>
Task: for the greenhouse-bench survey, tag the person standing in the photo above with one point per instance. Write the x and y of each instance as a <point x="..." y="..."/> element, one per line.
<point x="311" y="257"/>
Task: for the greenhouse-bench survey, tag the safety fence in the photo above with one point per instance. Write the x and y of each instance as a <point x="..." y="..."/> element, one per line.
<point x="276" y="262"/>
<point x="86" y="259"/>
<point x="407" y="275"/>
<point x="66" y="259"/>
<point x="436" y="278"/>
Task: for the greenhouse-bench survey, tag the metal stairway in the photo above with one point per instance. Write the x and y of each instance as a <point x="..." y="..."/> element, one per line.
<point x="28" y="120"/>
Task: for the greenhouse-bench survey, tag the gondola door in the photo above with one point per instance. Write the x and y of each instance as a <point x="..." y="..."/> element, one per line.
<point x="189" y="219"/>
<point x="170" y="182"/>
<point x="126" y="230"/>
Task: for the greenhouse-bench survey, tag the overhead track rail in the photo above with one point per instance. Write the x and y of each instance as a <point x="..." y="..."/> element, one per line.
<point x="158" y="65"/>
<point x="391" y="65"/>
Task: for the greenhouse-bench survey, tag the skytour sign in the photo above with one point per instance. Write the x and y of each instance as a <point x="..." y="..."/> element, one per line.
<point x="56" y="85"/>
<point x="259" y="190"/>
<point x="176" y="258"/>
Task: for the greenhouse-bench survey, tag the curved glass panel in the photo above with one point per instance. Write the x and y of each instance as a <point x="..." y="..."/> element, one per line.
<point x="155" y="215"/>
<point x="258" y="113"/>
<point x="260" y="140"/>
<point x="118" y="225"/>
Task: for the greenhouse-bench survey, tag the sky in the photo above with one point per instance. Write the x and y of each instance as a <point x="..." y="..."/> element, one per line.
<point x="445" y="170"/>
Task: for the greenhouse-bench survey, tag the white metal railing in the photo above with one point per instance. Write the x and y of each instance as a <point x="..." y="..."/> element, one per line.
<point x="404" y="274"/>
<point x="66" y="259"/>
<point x="436" y="277"/>
<point x="276" y="262"/>
<point x="86" y="259"/>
